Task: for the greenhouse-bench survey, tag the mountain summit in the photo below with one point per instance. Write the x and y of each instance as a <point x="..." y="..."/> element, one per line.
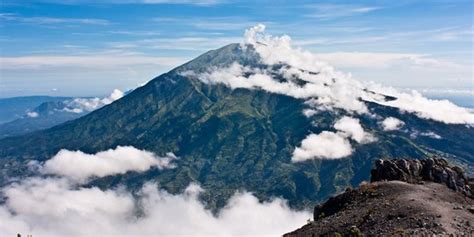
<point x="259" y="116"/>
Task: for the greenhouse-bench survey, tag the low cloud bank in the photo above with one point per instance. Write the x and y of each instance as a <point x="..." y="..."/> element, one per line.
<point x="61" y="206"/>
<point x="80" y="166"/>
<point x="332" y="145"/>
<point x="54" y="207"/>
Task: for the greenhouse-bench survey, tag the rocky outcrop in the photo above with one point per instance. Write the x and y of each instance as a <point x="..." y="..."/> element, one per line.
<point x="393" y="208"/>
<point x="405" y="198"/>
<point x="415" y="171"/>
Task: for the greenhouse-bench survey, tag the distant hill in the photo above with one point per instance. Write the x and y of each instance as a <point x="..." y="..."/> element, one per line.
<point x="46" y="115"/>
<point x="17" y="107"/>
<point x="54" y="111"/>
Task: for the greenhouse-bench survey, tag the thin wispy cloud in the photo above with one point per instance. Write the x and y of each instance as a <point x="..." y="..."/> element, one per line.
<point x="193" y="2"/>
<point x="85" y="61"/>
<point x="349" y="29"/>
<point x="384" y="60"/>
<point x="210" y="23"/>
<point x="335" y="41"/>
<point x="413" y="51"/>
<point x="375" y="37"/>
<point x="185" y="43"/>
<point x="455" y="35"/>
<point x="51" y="20"/>
<point x="119" y="2"/>
<point x="135" y="33"/>
<point x="330" y="11"/>
<point x="451" y="33"/>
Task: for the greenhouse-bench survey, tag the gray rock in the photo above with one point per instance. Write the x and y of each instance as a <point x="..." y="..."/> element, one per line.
<point x="416" y="171"/>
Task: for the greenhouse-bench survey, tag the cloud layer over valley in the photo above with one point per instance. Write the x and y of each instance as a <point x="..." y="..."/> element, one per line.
<point x="60" y="205"/>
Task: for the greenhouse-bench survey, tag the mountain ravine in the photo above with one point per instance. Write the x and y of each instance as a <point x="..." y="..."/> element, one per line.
<point x="230" y="139"/>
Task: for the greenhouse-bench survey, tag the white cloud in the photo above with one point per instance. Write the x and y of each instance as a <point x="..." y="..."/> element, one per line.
<point x="116" y="94"/>
<point x="309" y="112"/>
<point x="278" y="49"/>
<point x="391" y="123"/>
<point x="36" y="205"/>
<point x="335" y="89"/>
<point x="32" y="114"/>
<point x="332" y="145"/>
<point x="431" y="134"/>
<point x="81" y="105"/>
<point x="321" y="90"/>
<point x="352" y="128"/>
<point x="55" y="207"/>
<point x="326" y="145"/>
<point x="438" y="110"/>
<point x="79" y="166"/>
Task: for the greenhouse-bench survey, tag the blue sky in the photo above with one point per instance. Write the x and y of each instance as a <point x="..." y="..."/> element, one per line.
<point x="85" y="48"/>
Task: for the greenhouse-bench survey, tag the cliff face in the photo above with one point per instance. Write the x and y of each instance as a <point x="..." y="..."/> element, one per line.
<point x="405" y="197"/>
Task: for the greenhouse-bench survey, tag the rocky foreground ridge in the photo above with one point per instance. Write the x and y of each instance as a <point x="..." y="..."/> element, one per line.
<point x="418" y="171"/>
<point x="404" y="198"/>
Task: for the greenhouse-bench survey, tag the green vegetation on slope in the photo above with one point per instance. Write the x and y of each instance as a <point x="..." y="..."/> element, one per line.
<point x="227" y="140"/>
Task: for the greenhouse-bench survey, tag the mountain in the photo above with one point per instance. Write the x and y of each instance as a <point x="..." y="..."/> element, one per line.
<point x="232" y="135"/>
<point x="51" y="113"/>
<point x="46" y="115"/>
<point x="404" y="198"/>
<point x="16" y="107"/>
